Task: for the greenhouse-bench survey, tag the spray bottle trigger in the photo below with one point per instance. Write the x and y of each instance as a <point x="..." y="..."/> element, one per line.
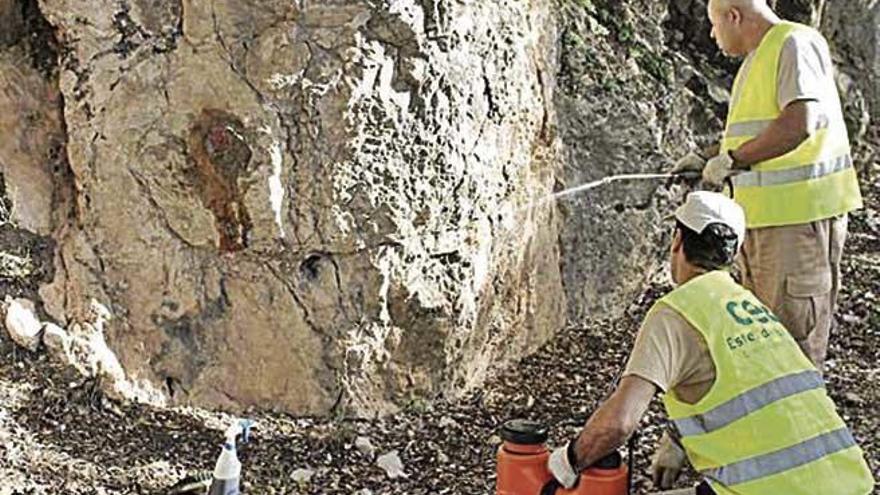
<point x="246" y="425"/>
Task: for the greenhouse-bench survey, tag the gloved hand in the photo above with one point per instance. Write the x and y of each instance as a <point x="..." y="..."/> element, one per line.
<point x="562" y="464"/>
<point x="718" y="168"/>
<point x="691" y="162"/>
<point x="667" y="463"/>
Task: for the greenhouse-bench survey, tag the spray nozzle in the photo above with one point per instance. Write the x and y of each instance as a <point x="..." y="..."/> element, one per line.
<point x="239" y="427"/>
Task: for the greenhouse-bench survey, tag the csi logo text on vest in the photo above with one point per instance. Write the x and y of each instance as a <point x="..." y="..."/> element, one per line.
<point x="759" y="322"/>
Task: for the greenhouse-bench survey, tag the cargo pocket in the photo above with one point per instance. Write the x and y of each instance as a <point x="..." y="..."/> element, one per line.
<point x="806" y="312"/>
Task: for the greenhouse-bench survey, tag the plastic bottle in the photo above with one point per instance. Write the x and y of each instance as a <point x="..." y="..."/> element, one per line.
<point x="227" y="471"/>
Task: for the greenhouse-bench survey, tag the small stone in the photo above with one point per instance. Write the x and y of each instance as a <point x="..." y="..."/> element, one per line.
<point x="22" y="323"/>
<point x="850" y="318"/>
<point x="391" y="464"/>
<point x="302" y="476"/>
<point x="365" y="446"/>
<point x="448" y="422"/>
<point x="718" y="93"/>
<point x="57" y="340"/>
<point x="494" y="440"/>
<point x="853" y="398"/>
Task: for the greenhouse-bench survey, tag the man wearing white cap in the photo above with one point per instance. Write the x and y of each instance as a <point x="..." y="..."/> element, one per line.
<point x="748" y="408"/>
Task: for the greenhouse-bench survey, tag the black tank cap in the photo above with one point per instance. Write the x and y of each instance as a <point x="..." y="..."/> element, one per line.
<point x="610" y="461"/>
<point x="524" y="432"/>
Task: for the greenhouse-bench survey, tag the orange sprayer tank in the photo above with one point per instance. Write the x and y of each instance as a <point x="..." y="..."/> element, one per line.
<point x="522" y="465"/>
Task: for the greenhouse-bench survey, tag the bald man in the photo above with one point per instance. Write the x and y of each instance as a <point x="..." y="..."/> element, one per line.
<point x="785" y="154"/>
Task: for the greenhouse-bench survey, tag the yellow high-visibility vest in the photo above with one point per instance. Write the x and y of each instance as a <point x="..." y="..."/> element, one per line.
<point x="814" y="181"/>
<point x="766" y="426"/>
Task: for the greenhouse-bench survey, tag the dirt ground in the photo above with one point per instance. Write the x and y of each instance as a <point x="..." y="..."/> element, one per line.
<point x="58" y="435"/>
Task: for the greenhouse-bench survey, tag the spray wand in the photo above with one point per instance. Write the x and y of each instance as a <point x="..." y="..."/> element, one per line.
<point x="688" y="174"/>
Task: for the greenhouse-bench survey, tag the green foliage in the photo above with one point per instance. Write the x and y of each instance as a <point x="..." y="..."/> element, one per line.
<point x="653" y="62"/>
<point x="601" y="40"/>
<point x="418" y="405"/>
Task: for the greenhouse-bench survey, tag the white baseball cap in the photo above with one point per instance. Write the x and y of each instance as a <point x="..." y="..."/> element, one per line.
<point x="702" y="208"/>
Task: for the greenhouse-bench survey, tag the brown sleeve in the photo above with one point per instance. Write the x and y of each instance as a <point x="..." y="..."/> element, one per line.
<point x="669" y="352"/>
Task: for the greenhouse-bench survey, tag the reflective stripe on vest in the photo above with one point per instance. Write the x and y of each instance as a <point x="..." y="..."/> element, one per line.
<point x="783" y="460"/>
<point x="750" y="401"/>
<point x="767" y="424"/>
<point x="814" y="181"/>
<point x="763" y="178"/>
<point x="752" y="128"/>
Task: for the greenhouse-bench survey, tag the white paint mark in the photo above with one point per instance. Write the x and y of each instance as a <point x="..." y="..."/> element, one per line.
<point x="386" y="89"/>
<point x="276" y="189"/>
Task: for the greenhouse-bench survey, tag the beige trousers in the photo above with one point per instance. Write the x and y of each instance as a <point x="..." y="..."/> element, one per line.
<point x="795" y="269"/>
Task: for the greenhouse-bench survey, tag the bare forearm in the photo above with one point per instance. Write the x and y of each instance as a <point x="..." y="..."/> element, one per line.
<point x="599" y="437"/>
<point x="614" y="421"/>
<point x="782" y="136"/>
<point x="770" y="144"/>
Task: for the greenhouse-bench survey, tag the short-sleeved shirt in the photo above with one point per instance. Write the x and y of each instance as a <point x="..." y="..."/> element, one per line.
<point x="805" y="73"/>
<point x="670" y="353"/>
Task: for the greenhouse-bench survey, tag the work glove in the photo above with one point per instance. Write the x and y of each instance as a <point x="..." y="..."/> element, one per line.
<point x="718" y="168"/>
<point x="563" y="465"/>
<point x="667" y="463"/>
<point x="692" y="162"/>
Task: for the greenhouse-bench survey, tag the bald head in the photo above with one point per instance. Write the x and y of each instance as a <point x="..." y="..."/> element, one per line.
<point x="739" y="25"/>
<point x="746" y="6"/>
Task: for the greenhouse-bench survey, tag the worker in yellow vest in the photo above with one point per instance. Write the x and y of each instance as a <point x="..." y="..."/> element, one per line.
<point x="786" y="156"/>
<point x="748" y="409"/>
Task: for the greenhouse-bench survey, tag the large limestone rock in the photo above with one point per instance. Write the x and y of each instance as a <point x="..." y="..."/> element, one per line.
<point x="298" y="205"/>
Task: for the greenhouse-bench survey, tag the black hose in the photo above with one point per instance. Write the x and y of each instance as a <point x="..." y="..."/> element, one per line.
<point x="550" y="487"/>
<point x="630" y="448"/>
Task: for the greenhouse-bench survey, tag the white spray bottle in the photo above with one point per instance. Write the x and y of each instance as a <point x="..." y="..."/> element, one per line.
<point x="227" y="471"/>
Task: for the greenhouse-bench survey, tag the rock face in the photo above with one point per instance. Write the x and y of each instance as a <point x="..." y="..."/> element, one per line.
<point x="318" y="206"/>
<point x="854" y="30"/>
<point x="295" y="205"/>
<point x="628" y="101"/>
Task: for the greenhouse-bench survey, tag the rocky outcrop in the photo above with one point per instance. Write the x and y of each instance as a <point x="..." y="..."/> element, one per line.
<point x="629" y="101"/>
<point x="318" y="206"/>
<point x="296" y="205"/>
